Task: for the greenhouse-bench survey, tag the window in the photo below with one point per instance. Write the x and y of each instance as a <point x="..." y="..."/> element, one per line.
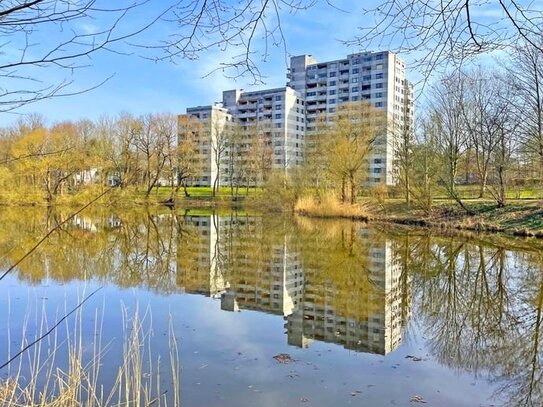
<point x="277" y="107"/>
<point x="331" y="110"/>
<point x="377" y="170"/>
<point x="366" y="78"/>
<point x="355" y="89"/>
<point x="354" y="98"/>
<point x="379" y="56"/>
<point x="311" y="94"/>
<point x="379" y="66"/>
<point x="278" y="98"/>
<point x="332" y="101"/>
<point x="332" y="92"/>
<point x="379" y="95"/>
<point x="356" y="70"/>
<point x="332" y="83"/>
<point x="278" y="116"/>
<point x="378" y="104"/>
<point x="277" y="125"/>
<point x="379" y="85"/>
<point x="332" y="74"/>
<point x="379" y="76"/>
<point x="354" y="80"/>
<point x="378" y="160"/>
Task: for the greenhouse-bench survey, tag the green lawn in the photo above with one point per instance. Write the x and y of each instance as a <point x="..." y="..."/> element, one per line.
<point x="521" y="192"/>
<point x="204" y="192"/>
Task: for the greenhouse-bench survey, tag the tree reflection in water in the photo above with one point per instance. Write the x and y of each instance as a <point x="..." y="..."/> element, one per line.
<point x="478" y="299"/>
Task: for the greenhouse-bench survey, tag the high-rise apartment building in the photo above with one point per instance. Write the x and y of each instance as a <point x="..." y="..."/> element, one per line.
<point x="376" y="77"/>
<point x="213" y="121"/>
<point x="278" y="112"/>
<point x="276" y="115"/>
<point x="314" y="90"/>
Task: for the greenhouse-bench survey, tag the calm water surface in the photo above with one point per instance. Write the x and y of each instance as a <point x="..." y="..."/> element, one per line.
<point x="369" y="316"/>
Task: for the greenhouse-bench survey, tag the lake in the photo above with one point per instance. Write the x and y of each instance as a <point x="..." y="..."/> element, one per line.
<point x="195" y="308"/>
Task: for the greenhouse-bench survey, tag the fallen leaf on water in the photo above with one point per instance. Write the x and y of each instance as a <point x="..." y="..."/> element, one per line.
<point x="417" y="399"/>
<point x="284" y="358"/>
<point x="304" y="399"/>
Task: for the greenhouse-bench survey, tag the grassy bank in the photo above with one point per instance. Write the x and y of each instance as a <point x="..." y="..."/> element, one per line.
<point x="130" y="197"/>
<point x="521" y="217"/>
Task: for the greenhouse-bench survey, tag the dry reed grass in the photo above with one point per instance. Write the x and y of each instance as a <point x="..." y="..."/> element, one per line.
<point x="330" y="207"/>
<point x="37" y="378"/>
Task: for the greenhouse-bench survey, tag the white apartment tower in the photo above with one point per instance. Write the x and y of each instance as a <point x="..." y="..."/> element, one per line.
<point x="277" y="115"/>
<point x="286" y="115"/>
<point x="213" y="121"/>
<point x="280" y="113"/>
<point x="376" y="77"/>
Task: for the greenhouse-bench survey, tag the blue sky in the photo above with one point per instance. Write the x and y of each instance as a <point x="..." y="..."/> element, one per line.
<point x="139" y="85"/>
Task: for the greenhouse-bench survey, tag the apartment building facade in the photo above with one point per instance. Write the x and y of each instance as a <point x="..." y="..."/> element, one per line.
<point x="212" y="124"/>
<point x="376" y="77"/>
<point x="285" y="116"/>
<point x="275" y="116"/>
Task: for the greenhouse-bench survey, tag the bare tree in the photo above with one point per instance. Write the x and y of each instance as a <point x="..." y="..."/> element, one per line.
<point x="259" y="154"/>
<point x="39" y="35"/>
<point x="118" y="137"/>
<point x="153" y="143"/>
<point x="526" y="73"/>
<point x="447" y="103"/>
<point x="425" y="163"/>
<point x="449" y="33"/>
<point x="504" y="122"/>
<point x="248" y="27"/>
<point x="219" y="144"/>
<point x="481" y="112"/>
<point x="403" y="147"/>
<point x="187" y="152"/>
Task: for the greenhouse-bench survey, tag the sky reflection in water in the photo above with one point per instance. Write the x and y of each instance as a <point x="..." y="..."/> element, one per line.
<point x="356" y="307"/>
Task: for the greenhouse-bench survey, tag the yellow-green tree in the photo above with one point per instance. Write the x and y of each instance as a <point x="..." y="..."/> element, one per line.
<point x="341" y="145"/>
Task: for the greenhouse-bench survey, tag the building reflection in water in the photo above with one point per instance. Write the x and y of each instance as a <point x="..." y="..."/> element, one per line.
<point x="239" y="260"/>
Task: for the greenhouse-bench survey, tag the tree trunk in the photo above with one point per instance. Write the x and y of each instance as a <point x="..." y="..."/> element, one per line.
<point x="482" y="187"/>
<point x="353" y="188"/>
<point x="407" y="190"/>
